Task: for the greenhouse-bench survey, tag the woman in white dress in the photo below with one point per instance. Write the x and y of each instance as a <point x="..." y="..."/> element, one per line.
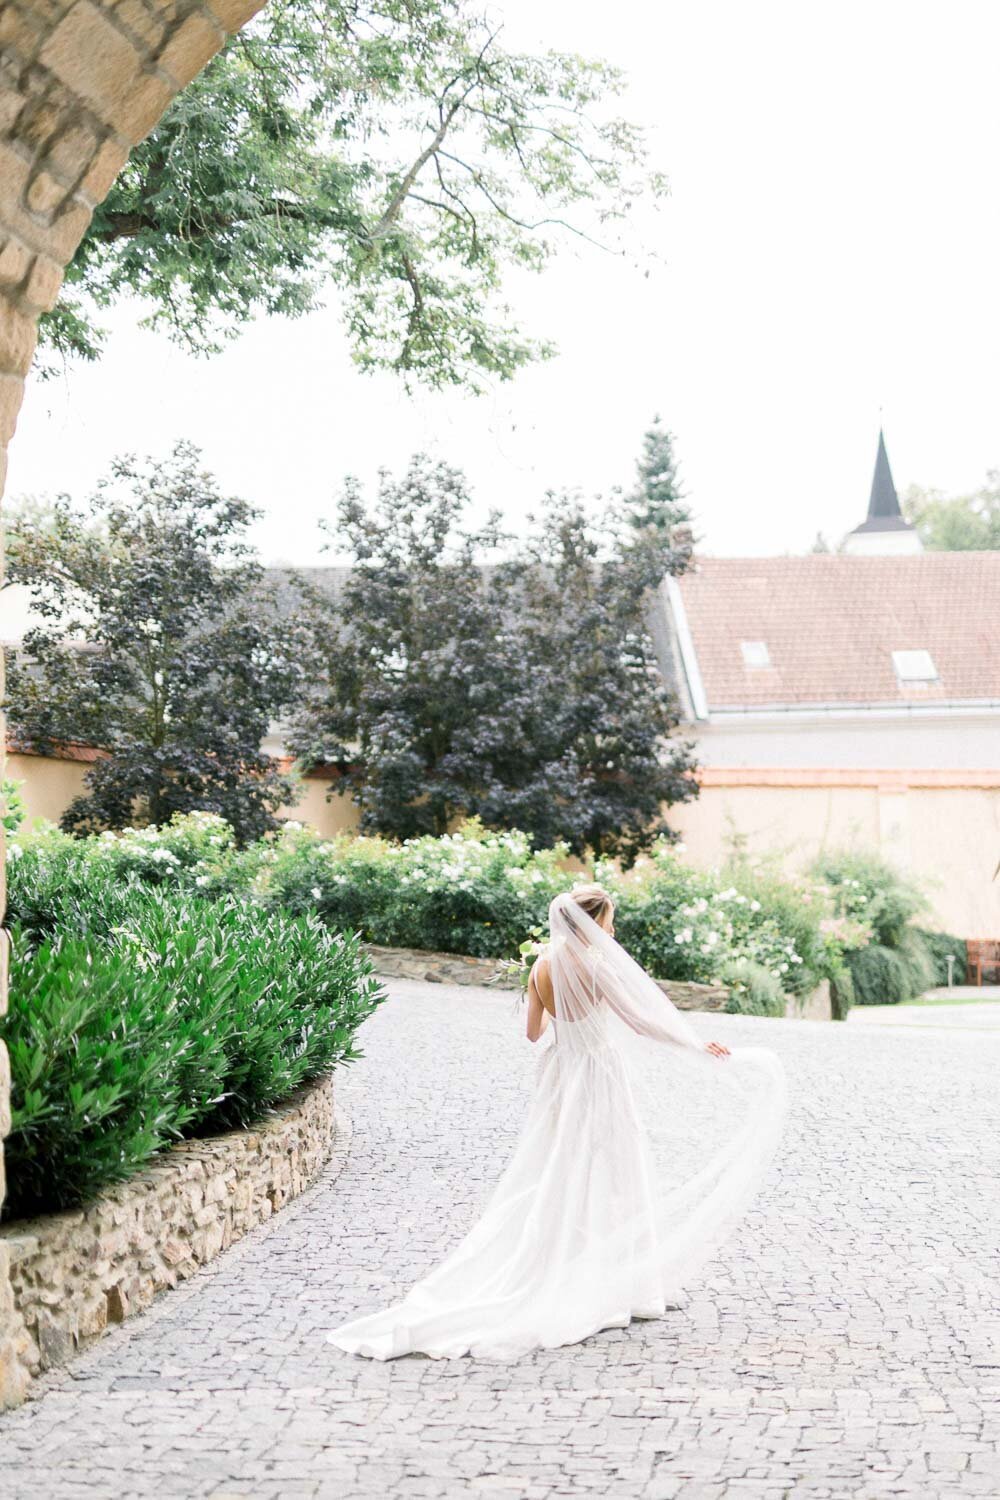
<point x="642" y="1147"/>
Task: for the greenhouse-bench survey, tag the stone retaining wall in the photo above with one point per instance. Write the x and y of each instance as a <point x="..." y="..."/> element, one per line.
<point x="74" y="1273"/>
<point x="458" y="968"/>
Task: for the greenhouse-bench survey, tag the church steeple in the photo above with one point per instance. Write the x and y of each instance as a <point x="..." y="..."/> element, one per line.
<point x="884" y="530"/>
<point x="884" y="502"/>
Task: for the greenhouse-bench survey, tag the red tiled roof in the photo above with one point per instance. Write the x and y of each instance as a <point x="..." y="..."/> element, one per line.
<point x="832" y="622"/>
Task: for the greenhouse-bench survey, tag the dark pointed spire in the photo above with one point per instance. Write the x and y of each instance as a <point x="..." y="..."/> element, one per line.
<point x="884" y="513"/>
<point x="884" y="501"/>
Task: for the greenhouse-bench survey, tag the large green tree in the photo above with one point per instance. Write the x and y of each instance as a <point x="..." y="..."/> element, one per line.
<point x="156" y="645"/>
<point x="525" y="691"/>
<point x="393" y="149"/>
<point x="957" y="523"/>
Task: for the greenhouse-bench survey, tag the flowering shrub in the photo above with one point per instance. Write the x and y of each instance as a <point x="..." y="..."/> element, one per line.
<point x="194" y="851"/>
<point x="688" y="925"/>
<point x="753" y="989"/>
<point x="191" y="844"/>
<point x="484" y="893"/>
<point x="868" y="890"/>
<point x="888" y="958"/>
<point x="471" y="891"/>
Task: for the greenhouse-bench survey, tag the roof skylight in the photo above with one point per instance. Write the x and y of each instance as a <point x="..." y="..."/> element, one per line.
<point x="755" y="654"/>
<point x="914" y="666"/>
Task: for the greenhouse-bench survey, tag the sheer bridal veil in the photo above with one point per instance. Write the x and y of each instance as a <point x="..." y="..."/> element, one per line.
<point x="639" y="1151"/>
<point x="704" y="1128"/>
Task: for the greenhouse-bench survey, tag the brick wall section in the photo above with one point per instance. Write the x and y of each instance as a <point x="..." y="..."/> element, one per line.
<point x="73" y="1274"/>
<point x="81" y="83"/>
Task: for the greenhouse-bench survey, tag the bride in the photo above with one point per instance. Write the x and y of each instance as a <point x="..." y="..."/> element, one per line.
<point x="642" y="1147"/>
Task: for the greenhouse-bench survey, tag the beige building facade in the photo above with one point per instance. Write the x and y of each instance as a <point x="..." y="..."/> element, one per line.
<point x="943" y="828"/>
<point x="847" y="700"/>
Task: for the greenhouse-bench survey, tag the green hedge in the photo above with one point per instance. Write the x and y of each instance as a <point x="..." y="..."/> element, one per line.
<point x="891" y="976"/>
<point x="471" y="892"/>
<point x="484" y="893"/>
<point x="150" y="1015"/>
<point x="879" y="976"/>
<point x="939" y="945"/>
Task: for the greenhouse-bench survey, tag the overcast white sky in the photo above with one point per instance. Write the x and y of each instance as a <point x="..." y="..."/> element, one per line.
<point x="830" y="248"/>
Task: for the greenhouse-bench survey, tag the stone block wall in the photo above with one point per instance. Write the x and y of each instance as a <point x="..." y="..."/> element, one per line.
<point x="458" y="968"/>
<point x="81" y="83"/>
<point x="73" y="1274"/>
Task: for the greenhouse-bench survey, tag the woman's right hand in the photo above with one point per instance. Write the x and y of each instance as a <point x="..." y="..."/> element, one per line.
<point x="717" y="1049"/>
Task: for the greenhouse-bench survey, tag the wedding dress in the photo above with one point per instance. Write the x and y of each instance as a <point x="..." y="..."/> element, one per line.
<point x="640" y="1152"/>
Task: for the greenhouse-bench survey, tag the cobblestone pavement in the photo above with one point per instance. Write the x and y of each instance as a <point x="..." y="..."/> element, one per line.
<point x="978" y="1009"/>
<point x="845" y="1343"/>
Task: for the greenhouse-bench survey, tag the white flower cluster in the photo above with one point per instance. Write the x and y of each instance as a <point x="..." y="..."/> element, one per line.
<point x="460" y="861"/>
<point x="727" y="924"/>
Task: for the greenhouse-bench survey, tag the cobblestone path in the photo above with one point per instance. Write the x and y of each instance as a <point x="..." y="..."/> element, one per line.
<point x="845" y="1343"/>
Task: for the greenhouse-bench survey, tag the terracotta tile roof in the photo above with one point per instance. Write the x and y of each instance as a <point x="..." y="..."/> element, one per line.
<point x="832" y="622"/>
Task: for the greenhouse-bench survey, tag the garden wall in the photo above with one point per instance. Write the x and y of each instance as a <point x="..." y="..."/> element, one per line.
<point x="72" y="1274"/>
<point x="48" y="784"/>
<point x="457" y="968"/>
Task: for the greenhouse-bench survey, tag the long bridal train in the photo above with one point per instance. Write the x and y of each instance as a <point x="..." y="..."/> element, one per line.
<point x="639" y="1154"/>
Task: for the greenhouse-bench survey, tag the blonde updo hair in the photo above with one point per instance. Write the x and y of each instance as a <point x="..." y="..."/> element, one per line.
<point x="594" y="900"/>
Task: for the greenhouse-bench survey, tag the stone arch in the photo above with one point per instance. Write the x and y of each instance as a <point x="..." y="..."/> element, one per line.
<point x="81" y="83"/>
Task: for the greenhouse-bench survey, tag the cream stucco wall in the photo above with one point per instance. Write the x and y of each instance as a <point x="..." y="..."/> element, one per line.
<point x="948" y="838"/>
<point x="47" y="788"/>
<point x="338" y="815"/>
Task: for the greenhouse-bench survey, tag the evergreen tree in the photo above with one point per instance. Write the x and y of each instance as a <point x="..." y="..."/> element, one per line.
<point x="657" y="500"/>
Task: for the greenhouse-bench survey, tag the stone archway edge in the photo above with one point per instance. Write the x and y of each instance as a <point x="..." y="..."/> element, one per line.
<point x="73" y="1274"/>
<point x="81" y="83"/>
